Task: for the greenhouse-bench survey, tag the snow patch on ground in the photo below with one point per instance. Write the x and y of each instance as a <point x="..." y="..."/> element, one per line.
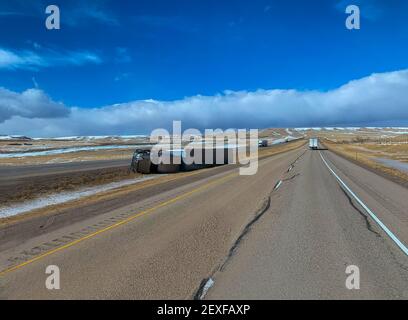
<point x="65" y="150"/>
<point x="286" y="139"/>
<point x="63" y="197"/>
<point x="81" y="138"/>
<point x="6" y="137"/>
<point x="73" y="138"/>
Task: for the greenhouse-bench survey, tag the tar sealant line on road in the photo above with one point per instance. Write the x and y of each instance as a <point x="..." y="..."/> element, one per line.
<point x="292" y="165"/>
<point x="206" y="284"/>
<point x="401" y="245"/>
<point x="277" y="185"/>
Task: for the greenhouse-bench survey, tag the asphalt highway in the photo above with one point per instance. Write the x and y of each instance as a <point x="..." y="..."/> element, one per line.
<point x="289" y="231"/>
<point x="314" y="230"/>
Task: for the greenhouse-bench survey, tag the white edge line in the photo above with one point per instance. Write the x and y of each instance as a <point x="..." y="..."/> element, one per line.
<point x="382" y="225"/>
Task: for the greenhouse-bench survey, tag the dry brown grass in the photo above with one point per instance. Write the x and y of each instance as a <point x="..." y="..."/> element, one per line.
<point x="40" y="186"/>
<point x="393" y="151"/>
<point x="365" y="153"/>
<point x="113" y="154"/>
<point x="107" y="177"/>
<point x="106" y="195"/>
<point x="363" y="135"/>
<point x="15" y="146"/>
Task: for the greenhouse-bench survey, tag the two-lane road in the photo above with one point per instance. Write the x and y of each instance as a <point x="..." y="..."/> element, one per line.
<point x="314" y="230"/>
<point x="254" y="241"/>
<point x="160" y="245"/>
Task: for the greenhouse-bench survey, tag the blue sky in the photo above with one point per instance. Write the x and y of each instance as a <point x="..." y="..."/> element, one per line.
<point x="117" y="52"/>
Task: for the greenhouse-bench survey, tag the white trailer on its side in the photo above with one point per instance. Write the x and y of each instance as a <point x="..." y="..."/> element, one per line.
<point x="313" y="143"/>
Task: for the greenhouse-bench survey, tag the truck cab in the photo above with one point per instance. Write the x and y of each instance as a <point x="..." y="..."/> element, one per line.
<point x="262" y="143"/>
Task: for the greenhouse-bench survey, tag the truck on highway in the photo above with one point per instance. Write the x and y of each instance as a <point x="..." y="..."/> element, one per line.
<point x="313" y="143"/>
<point x="180" y="159"/>
<point x="262" y="143"/>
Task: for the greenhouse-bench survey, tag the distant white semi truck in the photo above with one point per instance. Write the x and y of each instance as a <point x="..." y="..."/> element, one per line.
<point x="313" y="143"/>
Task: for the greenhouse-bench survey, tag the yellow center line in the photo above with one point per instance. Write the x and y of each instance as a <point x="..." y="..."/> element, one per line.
<point x="125" y="221"/>
<point x="129" y="219"/>
<point x="112" y="193"/>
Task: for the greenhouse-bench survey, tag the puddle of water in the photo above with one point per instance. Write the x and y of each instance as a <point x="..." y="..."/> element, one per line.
<point x="393" y="164"/>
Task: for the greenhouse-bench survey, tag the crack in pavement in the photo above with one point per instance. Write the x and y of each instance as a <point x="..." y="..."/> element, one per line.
<point x="48" y="222"/>
<point x="265" y="206"/>
<point x="203" y="288"/>
<point x="277" y="184"/>
<point x="292" y="177"/>
<point x="365" y="217"/>
<point x="369" y="227"/>
<point x="204" y="285"/>
<point x="292" y="165"/>
<point x="297" y="159"/>
<point x="201" y="291"/>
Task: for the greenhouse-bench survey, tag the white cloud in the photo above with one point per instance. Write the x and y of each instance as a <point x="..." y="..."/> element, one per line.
<point x="28" y="59"/>
<point x="10" y="59"/>
<point x="32" y="103"/>
<point x="379" y="98"/>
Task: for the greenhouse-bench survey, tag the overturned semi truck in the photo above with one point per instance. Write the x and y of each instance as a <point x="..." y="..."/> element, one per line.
<point x="185" y="159"/>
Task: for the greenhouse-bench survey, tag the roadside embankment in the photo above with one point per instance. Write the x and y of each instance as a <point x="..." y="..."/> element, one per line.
<point x="367" y="156"/>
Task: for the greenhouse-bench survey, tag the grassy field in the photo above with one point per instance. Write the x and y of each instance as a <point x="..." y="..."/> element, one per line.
<point x="40" y="188"/>
<point x="366" y="153"/>
<point x="113" y="154"/>
<point x="19" y="147"/>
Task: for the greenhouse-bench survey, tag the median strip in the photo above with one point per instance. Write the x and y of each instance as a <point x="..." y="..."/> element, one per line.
<point x="118" y="224"/>
<point x="67" y="196"/>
